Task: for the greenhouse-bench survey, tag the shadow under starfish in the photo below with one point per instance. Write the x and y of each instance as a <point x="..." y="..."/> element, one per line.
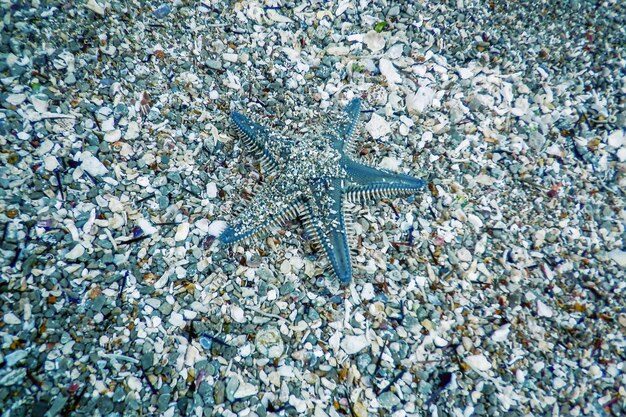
<point x="313" y="177"/>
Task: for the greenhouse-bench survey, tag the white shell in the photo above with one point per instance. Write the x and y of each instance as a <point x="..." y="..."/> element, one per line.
<point x="478" y="362"/>
<point x="377" y="126"/>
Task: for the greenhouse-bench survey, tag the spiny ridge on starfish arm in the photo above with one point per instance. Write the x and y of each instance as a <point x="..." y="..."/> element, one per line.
<point x="313" y="177"/>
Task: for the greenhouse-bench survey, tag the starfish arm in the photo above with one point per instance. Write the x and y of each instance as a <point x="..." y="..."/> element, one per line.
<point x="367" y="181"/>
<point x="347" y="128"/>
<point x="272" y="206"/>
<point x="259" y="139"/>
<point x="324" y="219"/>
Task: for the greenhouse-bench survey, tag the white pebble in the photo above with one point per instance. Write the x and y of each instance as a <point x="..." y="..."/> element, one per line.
<point x="211" y="190"/>
<point x="558" y="383"/>
<point x="146" y="226"/>
<point x="203" y="225"/>
<point x="230" y="57"/>
<point x="269" y="343"/>
<point x="354" y="344"/>
<point x="619" y="256"/>
<point x="464" y="73"/>
<point x="464" y="255"/>
<point x="108" y="125"/>
<point x="40" y="102"/>
<point x="115" y="205"/>
<point x="377" y="126"/>
<point x="113" y="135"/>
<point x="10" y="318"/>
<point x="501" y="334"/>
<point x="76" y="252"/>
<point x="368" y="291"/>
<point x="375" y="41"/>
<point x="543" y="310"/>
<point x="237" y="314"/>
<point x="92" y="165"/>
<point x="176" y="319"/>
<point x="417" y="102"/>
<point x="182" y="231"/>
<point x="246" y="390"/>
<point x="390" y="163"/>
<point x="132" y="131"/>
<point x="478" y="362"/>
<point x="50" y="163"/>
<point x="388" y="70"/>
<point x="16" y="99"/>
<point x="133" y="383"/>
<point x="617" y="138"/>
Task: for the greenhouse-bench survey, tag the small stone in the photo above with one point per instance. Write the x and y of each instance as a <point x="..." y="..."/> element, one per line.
<point x="50" y="163"/>
<point x="231" y="388"/>
<point x="133" y="383"/>
<point x="418" y="102"/>
<point x="501" y="334"/>
<point x="182" y="231"/>
<point x="10" y="318"/>
<point x="214" y="64"/>
<point x="478" y="362"/>
<point x="76" y="252"/>
<point x="176" y="319"/>
<point x="15" y="356"/>
<point x="377" y="126"/>
<point x="619" y="256"/>
<point x="269" y="342"/>
<point x="388" y="400"/>
<point x="354" y="344"/>
<point x="388" y="70"/>
<point x="162" y="11"/>
<point x="464" y="255"/>
<point x="16" y="99"/>
<point x="246" y="390"/>
<point x="375" y="41"/>
<point x="113" y="135"/>
<point x="543" y="310"/>
<point x="92" y="165"/>
<point x="211" y="190"/>
<point x="465" y="73"/>
<point x="230" y="57"/>
<point x="237" y="314"/>
<point x="368" y="291"/>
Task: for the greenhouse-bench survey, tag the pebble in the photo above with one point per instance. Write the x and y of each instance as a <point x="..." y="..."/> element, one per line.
<point x="51" y="163"/>
<point x="269" y="342"/>
<point x="237" y="314"/>
<point x="10" y="318"/>
<point x="246" y="390"/>
<point x="176" y="319"/>
<point x="543" y="310"/>
<point x="92" y="165"/>
<point x="182" y="231"/>
<point x="375" y="41"/>
<point x="378" y="127"/>
<point x="354" y="344"/>
<point x="478" y="362"/>
<point x="417" y="102"/>
<point x="619" y="256"/>
<point x="388" y="71"/>
<point x="76" y="252"/>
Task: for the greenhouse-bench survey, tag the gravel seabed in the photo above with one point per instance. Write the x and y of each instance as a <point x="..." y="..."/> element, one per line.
<point x="499" y="291"/>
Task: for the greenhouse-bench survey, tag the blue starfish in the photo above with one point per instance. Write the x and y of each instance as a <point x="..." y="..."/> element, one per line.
<point x="313" y="177"/>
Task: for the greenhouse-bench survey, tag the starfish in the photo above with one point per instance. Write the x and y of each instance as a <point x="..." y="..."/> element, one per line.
<point x="313" y="177"/>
